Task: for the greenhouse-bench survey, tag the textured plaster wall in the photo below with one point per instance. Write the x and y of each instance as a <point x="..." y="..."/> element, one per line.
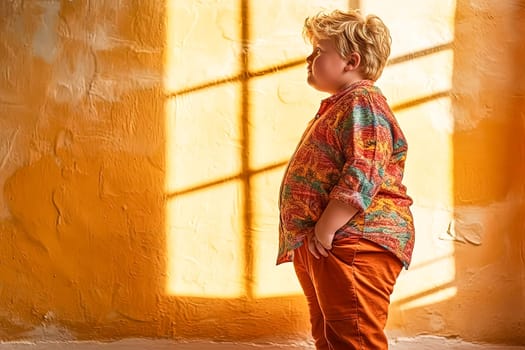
<point x="82" y="169"/>
<point x="142" y="145"/>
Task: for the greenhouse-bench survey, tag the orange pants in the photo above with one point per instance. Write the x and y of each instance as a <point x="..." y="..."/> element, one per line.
<point x="348" y="293"/>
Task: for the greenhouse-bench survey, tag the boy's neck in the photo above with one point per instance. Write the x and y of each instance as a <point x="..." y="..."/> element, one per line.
<point x="351" y="81"/>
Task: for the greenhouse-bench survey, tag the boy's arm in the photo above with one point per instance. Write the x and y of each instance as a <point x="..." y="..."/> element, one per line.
<point x="335" y="215"/>
<point x="368" y="145"/>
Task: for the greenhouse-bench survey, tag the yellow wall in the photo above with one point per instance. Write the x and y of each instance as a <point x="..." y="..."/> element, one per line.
<point x="141" y="149"/>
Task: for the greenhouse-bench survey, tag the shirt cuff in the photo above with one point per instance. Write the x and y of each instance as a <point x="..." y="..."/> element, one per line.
<point x="353" y="198"/>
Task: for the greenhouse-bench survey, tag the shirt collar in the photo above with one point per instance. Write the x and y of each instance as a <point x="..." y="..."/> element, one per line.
<point x="332" y="99"/>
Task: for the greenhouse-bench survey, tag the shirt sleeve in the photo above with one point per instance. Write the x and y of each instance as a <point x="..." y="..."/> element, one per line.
<point x="366" y="139"/>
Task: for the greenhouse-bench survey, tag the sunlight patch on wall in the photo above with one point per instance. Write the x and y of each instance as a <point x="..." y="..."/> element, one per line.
<point x="204" y="211"/>
<point x="204" y="244"/>
<point x="232" y="125"/>
<point x="441" y="294"/>
<point x="203" y="137"/>
<point x="285" y="104"/>
<point x="202" y="42"/>
<point x="270" y="280"/>
<point x="415" y="25"/>
<point x="415" y="78"/>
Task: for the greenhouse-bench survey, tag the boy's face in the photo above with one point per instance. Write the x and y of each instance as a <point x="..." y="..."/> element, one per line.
<point x="325" y="67"/>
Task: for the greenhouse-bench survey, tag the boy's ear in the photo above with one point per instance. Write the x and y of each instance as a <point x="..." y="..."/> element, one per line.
<point x="353" y="61"/>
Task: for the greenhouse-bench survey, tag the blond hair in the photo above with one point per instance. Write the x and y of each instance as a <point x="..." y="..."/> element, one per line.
<point x="352" y="32"/>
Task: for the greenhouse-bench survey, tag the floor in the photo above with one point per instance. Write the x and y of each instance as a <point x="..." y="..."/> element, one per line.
<point x="419" y="343"/>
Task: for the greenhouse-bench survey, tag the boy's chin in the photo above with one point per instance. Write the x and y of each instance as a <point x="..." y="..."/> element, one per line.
<point x="311" y="81"/>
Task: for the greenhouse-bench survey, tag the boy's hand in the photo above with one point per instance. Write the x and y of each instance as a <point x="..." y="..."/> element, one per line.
<point x="324" y="236"/>
<point x="335" y="215"/>
<point x="315" y="247"/>
<point x="319" y="243"/>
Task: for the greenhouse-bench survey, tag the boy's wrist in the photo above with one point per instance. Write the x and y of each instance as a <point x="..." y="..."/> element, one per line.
<point x="325" y="226"/>
<point x="321" y="229"/>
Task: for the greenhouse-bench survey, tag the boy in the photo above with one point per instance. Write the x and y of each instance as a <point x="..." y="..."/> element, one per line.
<point x="345" y="220"/>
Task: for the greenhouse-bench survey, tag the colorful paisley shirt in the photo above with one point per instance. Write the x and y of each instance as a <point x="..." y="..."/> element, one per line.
<point x="353" y="151"/>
